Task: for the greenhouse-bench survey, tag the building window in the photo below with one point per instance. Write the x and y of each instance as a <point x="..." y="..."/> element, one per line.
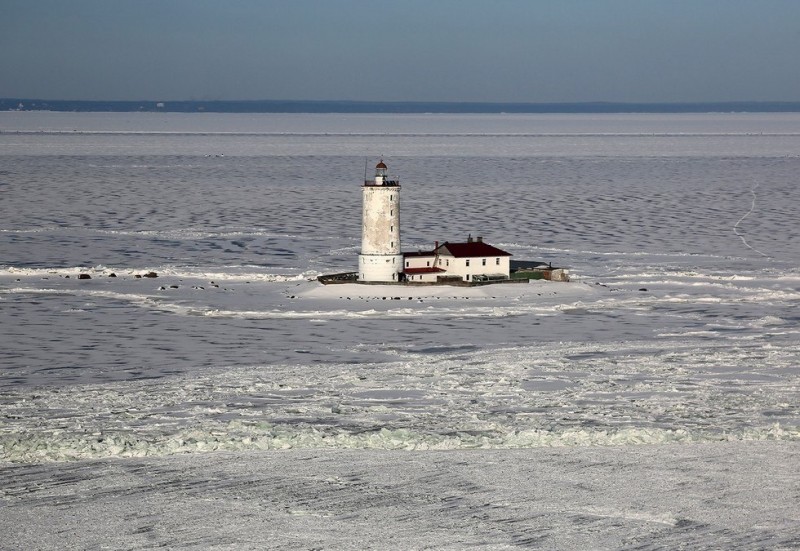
<point x="483" y="262"/>
<point x="446" y="261"/>
<point x="468" y="262"/>
<point x="497" y="261"/>
<point x="467" y="277"/>
<point x="427" y="262"/>
<point x="408" y="263"/>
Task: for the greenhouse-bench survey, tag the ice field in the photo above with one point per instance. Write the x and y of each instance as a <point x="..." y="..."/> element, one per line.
<point x="233" y="402"/>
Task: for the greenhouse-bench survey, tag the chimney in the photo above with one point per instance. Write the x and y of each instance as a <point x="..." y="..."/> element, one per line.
<point x="479" y="239"/>
<point x="435" y="245"/>
<point x="469" y="238"/>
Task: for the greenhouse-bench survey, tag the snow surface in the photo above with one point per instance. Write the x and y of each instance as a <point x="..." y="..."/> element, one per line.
<point x="652" y="402"/>
<point x="705" y="496"/>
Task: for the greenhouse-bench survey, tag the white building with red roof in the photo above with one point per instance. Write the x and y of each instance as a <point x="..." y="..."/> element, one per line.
<point x="473" y="261"/>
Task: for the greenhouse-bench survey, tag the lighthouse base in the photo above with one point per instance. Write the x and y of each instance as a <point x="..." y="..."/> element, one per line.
<point x="385" y="268"/>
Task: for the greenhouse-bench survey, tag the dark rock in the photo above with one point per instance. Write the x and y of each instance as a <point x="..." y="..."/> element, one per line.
<point x="150" y="274"/>
<point x="643" y="289"/>
<point x="112" y="274"/>
<point x="173" y="286"/>
<point x="137" y="276"/>
<point x="84" y="276"/>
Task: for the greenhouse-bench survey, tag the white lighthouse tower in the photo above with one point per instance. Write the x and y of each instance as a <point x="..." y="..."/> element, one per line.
<point x="380" y="259"/>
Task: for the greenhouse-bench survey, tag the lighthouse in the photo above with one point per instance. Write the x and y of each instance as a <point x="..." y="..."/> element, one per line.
<point x="380" y="259"/>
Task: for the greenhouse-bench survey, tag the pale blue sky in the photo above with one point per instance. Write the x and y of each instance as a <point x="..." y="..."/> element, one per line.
<point x="414" y="50"/>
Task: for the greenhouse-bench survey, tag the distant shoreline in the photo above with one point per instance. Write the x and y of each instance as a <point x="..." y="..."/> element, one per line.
<point x="280" y="106"/>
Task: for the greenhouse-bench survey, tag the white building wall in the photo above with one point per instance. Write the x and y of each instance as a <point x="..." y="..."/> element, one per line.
<point x="504" y="267"/>
<point x="380" y="227"/>
<point x="420" y="262"/>
<point x="424" y="278"/>
<point x="379" y="267"/>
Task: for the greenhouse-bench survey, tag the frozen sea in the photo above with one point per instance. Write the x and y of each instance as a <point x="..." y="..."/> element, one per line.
<point x="233" y="402"/>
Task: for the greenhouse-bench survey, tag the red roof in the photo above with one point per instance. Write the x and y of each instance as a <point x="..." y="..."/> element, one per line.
<point x="420" y="253"/>
<point x="425" y="270"/>
<point x="381" y="165"/>
<point x="471" y="249"/>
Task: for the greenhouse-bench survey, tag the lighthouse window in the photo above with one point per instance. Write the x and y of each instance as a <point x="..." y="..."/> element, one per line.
<point x="391" y="212"/>
<point x="391" y="197"/>
<point x="391" y="228"/>
<point x="392" y="244"/>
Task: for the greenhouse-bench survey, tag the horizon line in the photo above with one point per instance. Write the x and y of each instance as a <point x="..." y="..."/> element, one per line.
<point x="381" y="106"/>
